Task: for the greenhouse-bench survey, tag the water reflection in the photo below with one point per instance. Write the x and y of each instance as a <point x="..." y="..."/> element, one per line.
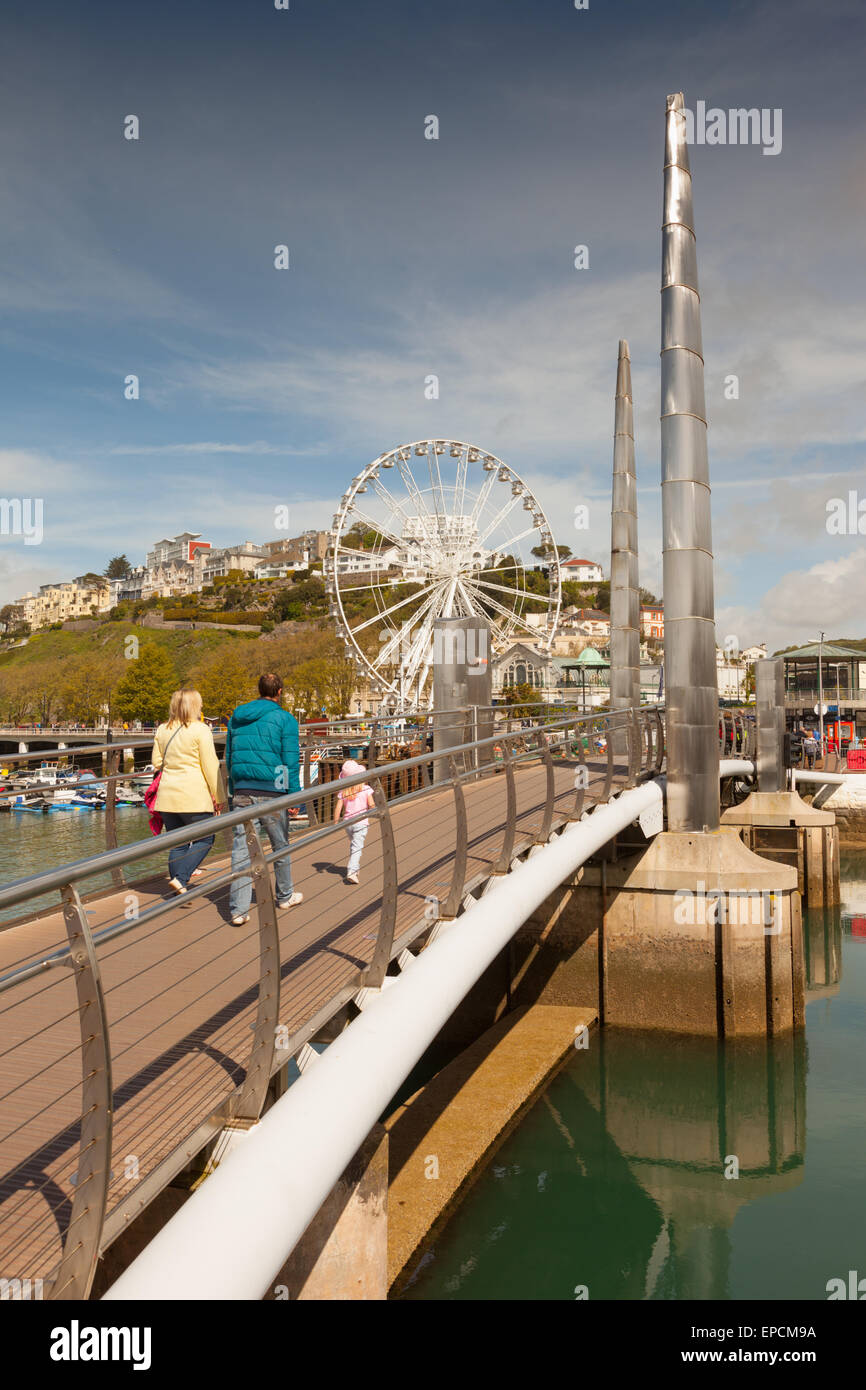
<point x="621" y="1180"/>
<point x="704" y="1130"/>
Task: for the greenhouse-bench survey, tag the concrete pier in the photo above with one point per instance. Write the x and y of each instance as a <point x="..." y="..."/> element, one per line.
<point x="782" y="827"/>
<point x="695" y="935"/>
<point x="775" y="822"/>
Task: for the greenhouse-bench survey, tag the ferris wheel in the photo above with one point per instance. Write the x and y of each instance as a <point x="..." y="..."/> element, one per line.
<point x="436" y="529"/>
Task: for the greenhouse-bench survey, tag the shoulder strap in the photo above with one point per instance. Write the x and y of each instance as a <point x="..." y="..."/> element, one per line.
<point x="171" y="740"/>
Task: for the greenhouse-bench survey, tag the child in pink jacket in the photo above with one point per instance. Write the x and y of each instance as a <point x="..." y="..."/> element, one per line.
<point x="350" y="803"/>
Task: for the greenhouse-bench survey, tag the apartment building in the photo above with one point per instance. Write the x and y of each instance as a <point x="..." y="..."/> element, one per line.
<point x="652" y="621"/>
<point x="299" y="551"/>
<point x="57" y="603"/>
<point x="216" y="563"/>
<point x="176" y="550"/>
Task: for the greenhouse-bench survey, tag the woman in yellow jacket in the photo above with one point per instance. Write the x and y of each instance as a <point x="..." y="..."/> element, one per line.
<point x="189" y="788"/>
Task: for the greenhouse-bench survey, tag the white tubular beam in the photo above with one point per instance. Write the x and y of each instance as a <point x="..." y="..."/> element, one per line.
<point x="232" y="1237"/>
<point x="819" y="777"/>
<point x="736" y="767"/>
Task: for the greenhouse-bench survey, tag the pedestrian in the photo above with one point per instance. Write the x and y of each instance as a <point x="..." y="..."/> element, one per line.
<point x="810" y="749"/>
<point x="189" y="787"/>
<point x="263" y="762"/>
<point x="352" y="802"/>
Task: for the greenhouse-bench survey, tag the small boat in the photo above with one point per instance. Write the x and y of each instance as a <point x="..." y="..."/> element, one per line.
<point x="64" y="799"/>
<point x="25" y="802"/>
<point x="144" y="777"/>
<point x="127" y="796"/>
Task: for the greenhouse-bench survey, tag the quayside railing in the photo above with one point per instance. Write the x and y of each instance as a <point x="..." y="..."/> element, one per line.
<point x="126" y="1042"/>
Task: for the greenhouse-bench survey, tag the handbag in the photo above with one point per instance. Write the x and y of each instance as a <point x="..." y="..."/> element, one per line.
<point x="151" y="793"/>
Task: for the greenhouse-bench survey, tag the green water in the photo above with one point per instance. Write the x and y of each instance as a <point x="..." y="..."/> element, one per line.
<point x="615" y="1184"/>
<point x="31" y="844"/>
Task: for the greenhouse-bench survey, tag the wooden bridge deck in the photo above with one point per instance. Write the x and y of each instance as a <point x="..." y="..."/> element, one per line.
<point x="181" y="1000"/>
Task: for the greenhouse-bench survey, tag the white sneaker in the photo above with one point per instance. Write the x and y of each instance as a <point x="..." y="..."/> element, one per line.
<point x="292" y="901"/>
<point x="352" y="878"/>
<point x="240" y="921"/>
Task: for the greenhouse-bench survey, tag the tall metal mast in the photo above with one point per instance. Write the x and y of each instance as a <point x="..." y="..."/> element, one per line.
<point x="690" y="650"/>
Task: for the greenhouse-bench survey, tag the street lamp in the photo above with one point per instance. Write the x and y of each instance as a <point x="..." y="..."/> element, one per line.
<point x="821" y="690"/>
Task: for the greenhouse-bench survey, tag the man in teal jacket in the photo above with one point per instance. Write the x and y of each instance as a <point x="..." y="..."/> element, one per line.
<point x="262" y="762"/>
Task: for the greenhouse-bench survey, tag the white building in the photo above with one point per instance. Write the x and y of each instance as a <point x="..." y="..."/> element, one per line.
<point x="584" y="571"/>
<point x="366" y="561"/>
<point x="178" y="550"/>
<point x="57" y="603"/>
<point x="215" y="564"/>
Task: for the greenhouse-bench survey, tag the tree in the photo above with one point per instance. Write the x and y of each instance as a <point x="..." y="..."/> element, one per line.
<point x="118" y="567"/>
<point x="224" y="682"/>
<point x="146" y="688"/>
<point x="602" y="596"/>
<point x="522" y="697"/>
<point x="543" y="552"/>
<point x="16" y="695"/>
<point x="82" y="693"/>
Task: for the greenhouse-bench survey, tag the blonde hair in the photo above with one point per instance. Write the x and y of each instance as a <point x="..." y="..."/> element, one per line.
<point x="185" y="707"/>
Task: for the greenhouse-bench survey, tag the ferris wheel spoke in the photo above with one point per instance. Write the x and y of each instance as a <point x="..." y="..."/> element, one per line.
<point x="391" y="609"/>
<point x="401" y="634"/>
<point x="511" y="615"/>
<point x="521" y="535"/>
<point x="393" y="582"/>
<point x="423" y="641"/>
<point x="415" y="493"/>
<point x="506" y="589"/>
<point x="436" y="483"/>
<point x="498" y="519"/>
<point x="484" y="493"/>
<point x="460" y="484"/>
<point x="386" y="497"/>
<point x="377" y="526"/>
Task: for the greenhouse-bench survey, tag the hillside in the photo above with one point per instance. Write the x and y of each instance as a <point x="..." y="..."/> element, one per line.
<point x="130" y="671"/>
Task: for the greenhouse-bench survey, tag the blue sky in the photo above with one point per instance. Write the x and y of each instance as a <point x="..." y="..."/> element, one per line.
<point x="412" y="256"/>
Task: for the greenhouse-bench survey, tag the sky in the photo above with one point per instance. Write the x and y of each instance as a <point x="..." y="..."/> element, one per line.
<point x="410" y="256"/>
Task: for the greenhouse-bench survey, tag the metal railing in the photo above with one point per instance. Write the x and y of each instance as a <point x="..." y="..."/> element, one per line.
<point x="89" y="1086"/>
<point x="738" y="736"/>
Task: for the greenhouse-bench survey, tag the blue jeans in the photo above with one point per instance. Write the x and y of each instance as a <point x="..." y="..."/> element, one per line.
<point x="183" y="859"/>
<point x="241" y="891"/>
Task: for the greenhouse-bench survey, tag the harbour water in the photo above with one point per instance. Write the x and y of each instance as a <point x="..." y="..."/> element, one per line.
<point x="662" y="1168"/>
<point x="31" y="844"/>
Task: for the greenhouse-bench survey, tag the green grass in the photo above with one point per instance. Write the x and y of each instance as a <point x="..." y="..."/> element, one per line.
<point x="185" y="645"/>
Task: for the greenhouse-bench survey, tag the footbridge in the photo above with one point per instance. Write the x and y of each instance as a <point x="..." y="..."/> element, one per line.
<point x="137" y="1025"/>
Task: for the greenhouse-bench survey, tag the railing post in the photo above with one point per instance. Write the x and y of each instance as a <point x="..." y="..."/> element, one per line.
<point x="608" y="780"/>
<point x="550" y="790"/>
<point x="312" y="814"/>
<point x="374" y="976"/>
<point x="81" y="1243"/>
<point x="112" y="763"/>
<point x="634" y="747"/>
<point x="252" y="1094"/>
<point x="660" y="742"/>
<point x="372" y="759"/>
<point x="461" y="845"/>
<point x="503" y="863"/>
<point x="582" y="774"/>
